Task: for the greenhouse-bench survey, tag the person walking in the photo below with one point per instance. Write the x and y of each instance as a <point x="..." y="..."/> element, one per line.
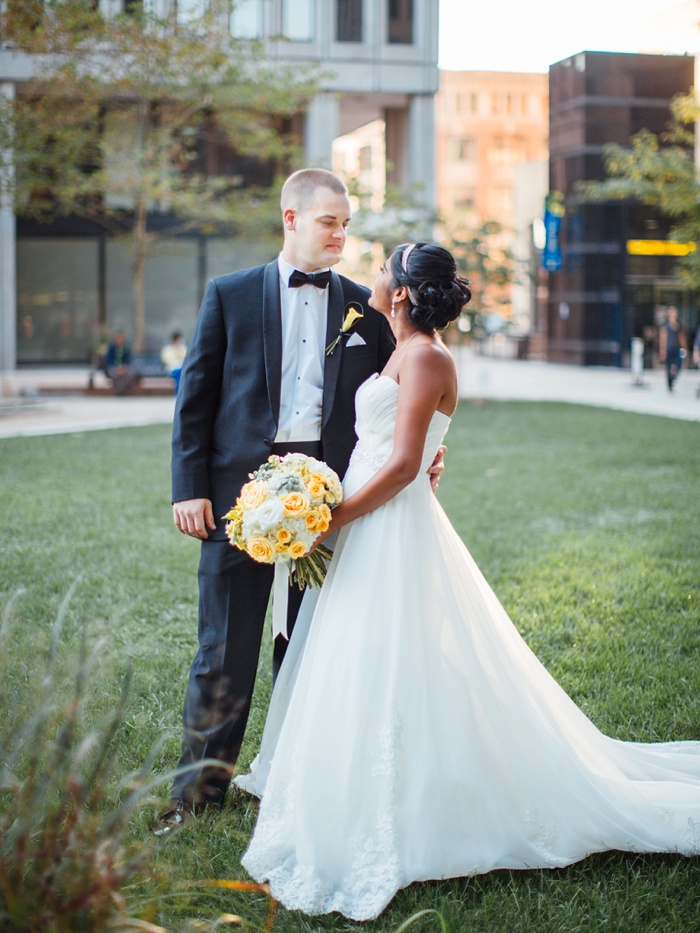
<point x="671" y="346"/>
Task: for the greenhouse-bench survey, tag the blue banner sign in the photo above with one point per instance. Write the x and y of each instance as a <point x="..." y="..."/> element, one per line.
<point x="553" y="213"/>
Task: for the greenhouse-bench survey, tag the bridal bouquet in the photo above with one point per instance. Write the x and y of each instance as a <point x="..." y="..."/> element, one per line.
<point x="281" y="512"/>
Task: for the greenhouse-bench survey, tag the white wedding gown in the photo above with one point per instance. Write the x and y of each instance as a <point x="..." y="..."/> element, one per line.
<point x="413" y="735"/>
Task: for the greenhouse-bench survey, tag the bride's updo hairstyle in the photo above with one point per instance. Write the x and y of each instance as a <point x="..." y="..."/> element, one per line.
<point x="436" y="292"/>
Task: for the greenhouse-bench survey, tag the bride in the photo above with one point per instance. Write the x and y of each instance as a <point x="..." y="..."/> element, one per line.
<point x="412" y="734"/>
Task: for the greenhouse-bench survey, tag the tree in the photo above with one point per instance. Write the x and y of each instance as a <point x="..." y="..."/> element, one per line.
<point x="660" y="171"/>
<point x="482" y="253"/>
<point x="136" y="115"/>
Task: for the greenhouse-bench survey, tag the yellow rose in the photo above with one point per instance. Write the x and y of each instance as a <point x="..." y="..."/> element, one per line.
<point x="321" y="526"/>
<point x="312" y="519"/>
<point x="281" y="548"/>
<point x="296" y="549"/>
<point x="335" y="490"/>
<point x="315" y="489"/>
<point x="260" y="549"/>
<point x="284" y="536"/>
<point x="324" y="513"/>
<point x="295" y="504"/>
<point x="252" y="495"/>
<point x="232" y="532"/>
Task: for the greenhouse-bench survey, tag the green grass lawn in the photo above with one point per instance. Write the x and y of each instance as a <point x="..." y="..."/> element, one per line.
<point x="586" y="523"/>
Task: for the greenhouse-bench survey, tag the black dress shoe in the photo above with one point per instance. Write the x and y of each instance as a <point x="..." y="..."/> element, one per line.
<point x="179" y="812"/>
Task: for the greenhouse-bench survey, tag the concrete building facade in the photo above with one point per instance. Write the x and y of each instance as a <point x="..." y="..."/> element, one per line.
<point x="64" y="283"/>
<point x="491" y="151"/>
<point x="487" y="123"/>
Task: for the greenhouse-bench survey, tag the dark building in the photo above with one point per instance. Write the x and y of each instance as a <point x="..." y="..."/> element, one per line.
<point x="606" y="293"/>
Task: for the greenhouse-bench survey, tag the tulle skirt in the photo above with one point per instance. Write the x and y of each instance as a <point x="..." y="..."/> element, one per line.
<point x="413" y="735"/>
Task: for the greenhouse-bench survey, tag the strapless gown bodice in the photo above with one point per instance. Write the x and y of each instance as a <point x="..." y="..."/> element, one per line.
<point x="375" y="405"/>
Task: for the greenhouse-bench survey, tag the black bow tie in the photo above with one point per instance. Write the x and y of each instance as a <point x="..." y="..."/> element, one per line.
<point x="319" y="279"/>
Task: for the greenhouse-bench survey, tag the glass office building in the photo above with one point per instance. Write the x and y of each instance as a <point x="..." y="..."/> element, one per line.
<point x="610" y="289"/>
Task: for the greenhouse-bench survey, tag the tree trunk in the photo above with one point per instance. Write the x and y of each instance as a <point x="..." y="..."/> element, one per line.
<point x="140" y="235"/>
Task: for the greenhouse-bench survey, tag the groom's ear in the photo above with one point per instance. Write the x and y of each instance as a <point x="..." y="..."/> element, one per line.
<point x="289" y="217"/>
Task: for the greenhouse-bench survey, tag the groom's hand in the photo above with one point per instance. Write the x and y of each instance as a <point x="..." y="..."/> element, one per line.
<point x="437" y="467"/>
<point x="193" y="516"/>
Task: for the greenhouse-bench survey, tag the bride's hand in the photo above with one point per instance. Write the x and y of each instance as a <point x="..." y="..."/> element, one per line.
<point x="437" y="467"/>
<point x="321" y="538"/>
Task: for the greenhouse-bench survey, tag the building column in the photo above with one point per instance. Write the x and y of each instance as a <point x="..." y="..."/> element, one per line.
<point x="322" y="127"/>
<point x="396" y="135"/>
<point x="8" y="255"/>
<point x="421" y="147"/>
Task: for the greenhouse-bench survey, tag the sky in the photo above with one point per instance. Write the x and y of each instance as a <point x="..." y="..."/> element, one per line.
<point x="530" y="35"/>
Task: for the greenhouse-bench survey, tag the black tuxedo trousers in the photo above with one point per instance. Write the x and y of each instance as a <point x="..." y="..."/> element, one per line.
<point x="224" y="427"/>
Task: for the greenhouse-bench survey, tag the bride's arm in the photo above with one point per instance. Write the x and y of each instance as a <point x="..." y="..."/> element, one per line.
<point x="425" y="379"/>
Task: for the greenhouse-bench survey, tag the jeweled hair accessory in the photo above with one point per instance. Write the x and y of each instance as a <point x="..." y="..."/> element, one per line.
<point x="404" y="264"/>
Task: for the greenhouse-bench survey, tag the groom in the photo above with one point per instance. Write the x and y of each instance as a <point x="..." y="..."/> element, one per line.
<point x="257" y="381"/>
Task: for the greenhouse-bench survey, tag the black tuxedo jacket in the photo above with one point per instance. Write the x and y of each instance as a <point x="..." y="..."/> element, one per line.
<point x="229" y="398"/>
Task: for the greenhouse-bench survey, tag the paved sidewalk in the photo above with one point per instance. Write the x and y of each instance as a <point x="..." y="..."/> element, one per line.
<point x="25" y="412"/>
<point x="528" y="380"/>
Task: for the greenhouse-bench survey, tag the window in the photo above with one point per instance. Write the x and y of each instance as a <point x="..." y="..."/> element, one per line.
<point x="349" y="20"/>
<point x="508" y="150"/>
<point x="401" y="21"/>
<point x="463" y="149"/>
<point x="246" y="20"/>
<point x="298" y="20"/>
<point x="464" y="199"/>
<point x="188" y="10"/>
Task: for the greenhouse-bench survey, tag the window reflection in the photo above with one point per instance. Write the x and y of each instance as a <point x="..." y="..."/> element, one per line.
<point x="246" y="20"/>
<point x="401" y="21"/>
<point x="298" y="20"/>
<point x="189" y="10"/>
<point x="349" y="23"/>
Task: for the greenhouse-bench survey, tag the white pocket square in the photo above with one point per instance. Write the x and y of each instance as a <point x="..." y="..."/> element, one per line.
<point x="354" y="340"/>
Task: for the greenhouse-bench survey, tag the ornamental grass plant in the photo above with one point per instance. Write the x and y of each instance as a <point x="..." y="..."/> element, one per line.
<point x="585" y="522"/>
<point x="65" y="863"/>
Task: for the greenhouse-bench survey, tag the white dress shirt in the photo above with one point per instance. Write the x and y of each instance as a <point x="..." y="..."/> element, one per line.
<point x="304" y="314"/>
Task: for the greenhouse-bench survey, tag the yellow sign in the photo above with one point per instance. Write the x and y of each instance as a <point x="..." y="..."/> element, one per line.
<point x="659" y="248"/>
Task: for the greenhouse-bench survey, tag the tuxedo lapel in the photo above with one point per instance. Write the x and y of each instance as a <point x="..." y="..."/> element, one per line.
<point x="332" y="362"/>
<point x="272" y="336"/>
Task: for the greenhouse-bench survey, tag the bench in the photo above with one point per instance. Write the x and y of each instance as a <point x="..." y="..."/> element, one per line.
<point x="152" y="379"/>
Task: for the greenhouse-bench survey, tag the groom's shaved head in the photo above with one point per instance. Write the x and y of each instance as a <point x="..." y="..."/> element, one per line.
<point x="299" y="189"/>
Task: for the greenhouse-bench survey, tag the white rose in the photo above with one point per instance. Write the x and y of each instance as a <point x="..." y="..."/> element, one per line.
<point x="269" y="513"/>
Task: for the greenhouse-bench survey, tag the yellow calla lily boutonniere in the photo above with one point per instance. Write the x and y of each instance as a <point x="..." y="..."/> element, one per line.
<point x="353" y="313"/>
